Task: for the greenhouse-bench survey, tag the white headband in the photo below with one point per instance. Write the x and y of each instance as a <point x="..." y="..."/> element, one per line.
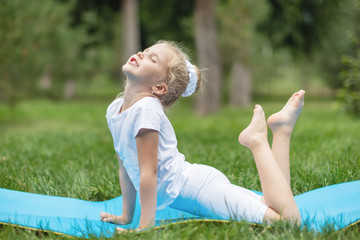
<point x="190" y="89"/>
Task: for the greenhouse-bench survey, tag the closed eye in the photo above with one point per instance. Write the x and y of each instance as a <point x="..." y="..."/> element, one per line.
<point x="153" y="58"/>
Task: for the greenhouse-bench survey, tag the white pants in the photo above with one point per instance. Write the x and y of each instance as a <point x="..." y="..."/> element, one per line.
<point x="208" y="192"/>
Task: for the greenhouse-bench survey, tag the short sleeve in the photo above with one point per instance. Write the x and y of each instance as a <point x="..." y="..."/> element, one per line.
<point x="113" y="107"/>
<point x="148" y="115"/>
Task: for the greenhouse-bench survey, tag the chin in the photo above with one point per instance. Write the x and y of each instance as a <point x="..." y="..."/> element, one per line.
<point x="124" y="67"/>
<point x="127" y="70"/>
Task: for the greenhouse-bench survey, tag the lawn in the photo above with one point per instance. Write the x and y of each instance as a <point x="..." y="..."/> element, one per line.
<point x="65" y="149"/>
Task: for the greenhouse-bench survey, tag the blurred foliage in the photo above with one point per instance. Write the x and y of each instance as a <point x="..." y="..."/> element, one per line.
<point x="102" y="22"/>
<point x="37" y="40"/>
<point x="237" y="28"/>
<point x="237" y="37"/>
<point x="302" y="25"/>
<point x="35" y="35"/>
<point x="170" y="20"/>
<point x="97" y="18"/>
<point x="314" y="31"/>
<point x="350" y="74"/>
<point x="78" y="40"/>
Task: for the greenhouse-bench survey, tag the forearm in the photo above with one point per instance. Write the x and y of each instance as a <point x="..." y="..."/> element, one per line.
<point x="148" y="196"/>
<point x="129" y="195"/>
<point x="128" y="209"/>
<point x="147" y="148"/>
<point x="129" y="198"/>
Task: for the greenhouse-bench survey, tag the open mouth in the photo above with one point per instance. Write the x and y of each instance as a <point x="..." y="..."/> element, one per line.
<point x="133" y="61"/>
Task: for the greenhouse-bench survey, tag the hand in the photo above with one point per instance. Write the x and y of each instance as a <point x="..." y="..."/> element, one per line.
<point x="110" y="218"/>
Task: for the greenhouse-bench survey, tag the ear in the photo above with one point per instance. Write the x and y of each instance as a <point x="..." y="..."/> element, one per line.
<point x="159" y="89"/>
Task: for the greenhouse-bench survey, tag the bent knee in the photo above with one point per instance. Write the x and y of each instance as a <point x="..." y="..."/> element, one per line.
<point x="271" y="216"/>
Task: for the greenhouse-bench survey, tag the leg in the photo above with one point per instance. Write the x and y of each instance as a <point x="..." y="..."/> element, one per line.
<point x="281" y="124"/>
<point x="209" y="193"/>
<point x="276" y="190"/>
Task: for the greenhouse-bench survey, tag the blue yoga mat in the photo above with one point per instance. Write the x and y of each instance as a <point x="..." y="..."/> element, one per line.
<point x="336" y="206"/>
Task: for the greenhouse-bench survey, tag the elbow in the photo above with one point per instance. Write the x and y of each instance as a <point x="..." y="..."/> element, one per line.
<point x="148" y="178"/>
<point x="148" y="172"/>
<point x="148" y="175"/>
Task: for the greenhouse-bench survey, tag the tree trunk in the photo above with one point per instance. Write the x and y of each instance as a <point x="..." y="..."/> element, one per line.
<point x="131" y="29"/>
<point x="240" y="85"/>
<point x="46" y="80"/>
<point x="69" y="89"/>
<point x="208" y="56"/>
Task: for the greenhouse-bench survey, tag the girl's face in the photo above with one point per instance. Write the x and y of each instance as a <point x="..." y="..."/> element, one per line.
<point x="149" y="67"/>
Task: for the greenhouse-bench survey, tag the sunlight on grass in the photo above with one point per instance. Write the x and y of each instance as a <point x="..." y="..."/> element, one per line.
<point x="65" y="149"/>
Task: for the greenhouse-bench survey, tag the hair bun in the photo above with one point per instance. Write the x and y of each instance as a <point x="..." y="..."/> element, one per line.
<point x="193" y="79"/>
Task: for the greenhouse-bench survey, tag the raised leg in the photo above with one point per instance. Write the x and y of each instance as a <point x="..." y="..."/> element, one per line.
<point x="276" y="190"/>
<point x="282" y="124"/>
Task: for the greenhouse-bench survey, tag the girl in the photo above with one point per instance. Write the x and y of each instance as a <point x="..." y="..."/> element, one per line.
<point x="150" y="163"/>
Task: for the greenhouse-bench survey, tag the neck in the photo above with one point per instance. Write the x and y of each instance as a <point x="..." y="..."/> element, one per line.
<point x="132" y="94"/>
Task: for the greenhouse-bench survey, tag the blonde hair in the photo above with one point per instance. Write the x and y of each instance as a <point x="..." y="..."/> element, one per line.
<point x="178" y="75"/>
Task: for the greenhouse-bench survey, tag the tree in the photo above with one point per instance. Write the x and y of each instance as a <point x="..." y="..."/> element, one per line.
<point x="240" y="84"/>
<point x="237" y="37"/>
<point x="130" y="25"/>
<point x="168" y="20"/>
<point x="208" y="56"/>
<point x="312" y="30"/>
<point x="131" y="28"/>
<point x="31" y="43"/>
<point x="350" y="75"/>
<point x="350" y="70"/>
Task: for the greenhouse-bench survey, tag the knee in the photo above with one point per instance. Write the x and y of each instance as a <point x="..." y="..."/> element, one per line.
<point x="271" y="216"/>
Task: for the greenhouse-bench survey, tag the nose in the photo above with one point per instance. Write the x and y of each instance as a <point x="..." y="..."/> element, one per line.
<point x="140" y="55"/>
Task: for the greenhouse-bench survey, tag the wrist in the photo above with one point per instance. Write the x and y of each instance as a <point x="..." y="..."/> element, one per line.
<point x="125" y="219"/>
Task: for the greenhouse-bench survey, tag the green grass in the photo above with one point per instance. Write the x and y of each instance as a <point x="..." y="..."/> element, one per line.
<point x="65" y="149"/>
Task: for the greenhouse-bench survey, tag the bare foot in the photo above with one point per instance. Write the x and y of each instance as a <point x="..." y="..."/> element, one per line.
<point x="284" y="120"/>
<point x="256" y="132"/>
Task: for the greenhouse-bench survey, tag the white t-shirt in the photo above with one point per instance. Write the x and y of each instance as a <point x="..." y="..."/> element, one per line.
<point x="147" y="113"/>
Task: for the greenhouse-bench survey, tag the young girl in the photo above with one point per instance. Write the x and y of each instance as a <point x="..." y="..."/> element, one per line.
<point x="150" y="163"/>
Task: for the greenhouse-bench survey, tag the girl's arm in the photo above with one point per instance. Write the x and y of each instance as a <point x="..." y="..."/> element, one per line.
<point x="129" y="194"/>
<point x="147" y="148"/>
<point x="129" y="197"/>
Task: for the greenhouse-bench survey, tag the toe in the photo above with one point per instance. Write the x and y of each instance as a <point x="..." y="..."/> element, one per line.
<point x="258" y="108"/>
